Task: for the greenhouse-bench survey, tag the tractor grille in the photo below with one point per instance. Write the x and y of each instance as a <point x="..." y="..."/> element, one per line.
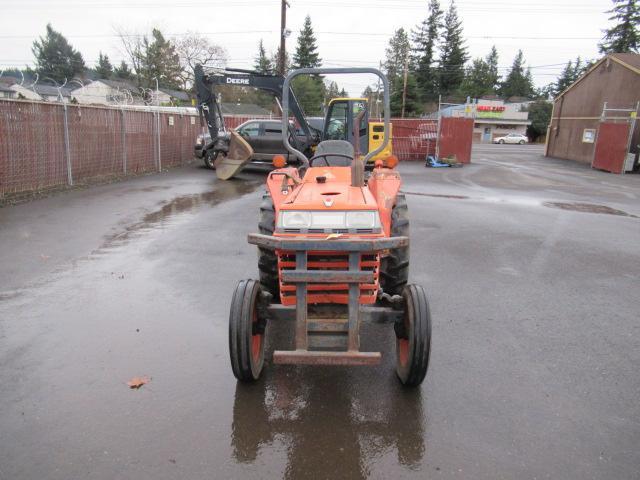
<point x="351" y="231"/>
<point x="329" y="292"/>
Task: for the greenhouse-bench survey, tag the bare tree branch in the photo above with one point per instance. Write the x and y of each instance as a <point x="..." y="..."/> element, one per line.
<point x="192" y="49"/>
<point x="132" y="44"/>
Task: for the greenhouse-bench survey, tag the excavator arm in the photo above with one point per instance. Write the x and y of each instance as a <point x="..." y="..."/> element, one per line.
<point x="229" y="143"/>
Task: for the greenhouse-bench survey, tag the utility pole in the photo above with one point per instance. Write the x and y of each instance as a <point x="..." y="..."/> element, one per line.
<point x="404" y="86"/>
<point x="283" y="36"/>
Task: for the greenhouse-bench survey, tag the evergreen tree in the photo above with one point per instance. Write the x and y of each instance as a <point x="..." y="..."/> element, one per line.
<point x="453" y="54"/>
<point x="546" y="92"/>
<point x="262" y="63"/>
<point x="332" y="90"/>
<point x="477" y="81"/>
<point x="397" y="54"/>
<point x="306" y="54"/>
<point x="275" y="58"/>
<point x="565" y="79"/>
<point x="310" y="91"/>
<point x="55" y="57"/>
<point x="571" y="72"/>
<point x="494" y="76"/>
<point x="123" y="71"/>
<point x="482" y="77"/>
<point x="104" y="68"/>
<point x="160" y="61"/>
<point x="423" y="51"/>
<point x="624" y="36"/>
<point x="412" y="103"/>
<point x="518" y="82"/>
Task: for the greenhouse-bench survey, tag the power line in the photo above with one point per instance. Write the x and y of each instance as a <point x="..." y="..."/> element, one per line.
<point x="361" y="34"/>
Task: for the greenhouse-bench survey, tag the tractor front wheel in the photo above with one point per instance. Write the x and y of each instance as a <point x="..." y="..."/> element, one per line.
<point x="394" y="268"/>
<point x="246" y="332"/>
<point x="267" y="259"/>
<point x="413" y="337"/>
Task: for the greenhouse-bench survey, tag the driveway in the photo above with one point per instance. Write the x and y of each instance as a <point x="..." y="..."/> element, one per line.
<point x="531" y="265"/>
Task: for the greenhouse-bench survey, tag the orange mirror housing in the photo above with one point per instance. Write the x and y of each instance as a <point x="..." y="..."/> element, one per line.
<point x="279" y="161"/>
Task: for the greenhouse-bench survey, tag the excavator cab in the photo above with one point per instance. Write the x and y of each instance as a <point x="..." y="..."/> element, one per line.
<point x="339" y="125"/>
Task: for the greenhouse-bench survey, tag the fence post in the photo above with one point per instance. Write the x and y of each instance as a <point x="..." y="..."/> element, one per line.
<point x="158" y="140"/>
<point x="123" y="135"/>
<point x="439" y="127"/>
<point x="66" y="145"/>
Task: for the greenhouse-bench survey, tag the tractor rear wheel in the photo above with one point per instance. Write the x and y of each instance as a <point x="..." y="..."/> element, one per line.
<point x="267" y="259"/>
<point x="246" y="332"/>
<point x="394" y="268"/>
<point x="413" y="337"/>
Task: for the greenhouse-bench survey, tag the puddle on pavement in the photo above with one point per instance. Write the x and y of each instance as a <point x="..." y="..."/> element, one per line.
<point x="532" y="202"/>
<point x="436" y="195"/>
<point x="588" y="208"/>
<point x="153" y="188"/>
<point x="334" y="423"/>
<point x="224" y="191"/>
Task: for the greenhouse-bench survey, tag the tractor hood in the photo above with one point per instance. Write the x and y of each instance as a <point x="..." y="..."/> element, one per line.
<point x="325" y="188"/>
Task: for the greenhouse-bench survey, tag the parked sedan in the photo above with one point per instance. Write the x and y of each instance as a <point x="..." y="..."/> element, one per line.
<point x="513" y="138"/>
<point x="264" y="136"/>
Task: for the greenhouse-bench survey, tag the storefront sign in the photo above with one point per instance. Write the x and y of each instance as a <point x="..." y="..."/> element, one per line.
<point x="489" y="111"/>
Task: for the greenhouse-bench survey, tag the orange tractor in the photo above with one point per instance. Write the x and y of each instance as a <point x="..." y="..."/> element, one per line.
<point x="333" y="252"/>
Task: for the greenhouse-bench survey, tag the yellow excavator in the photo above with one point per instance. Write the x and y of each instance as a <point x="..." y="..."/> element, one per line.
<point x="231" y="152"/>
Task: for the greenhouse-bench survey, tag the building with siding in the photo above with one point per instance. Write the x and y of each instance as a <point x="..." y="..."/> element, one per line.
<point x="612" y="83"/>
<point x="49" y="93"/>
<point x="108" y="92"/>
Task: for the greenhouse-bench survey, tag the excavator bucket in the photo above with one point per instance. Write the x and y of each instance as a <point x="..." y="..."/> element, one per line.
<point x="239" y="155"/>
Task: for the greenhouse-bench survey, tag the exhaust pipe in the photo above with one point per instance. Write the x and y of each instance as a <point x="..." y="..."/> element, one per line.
<point x="357" y="166"/>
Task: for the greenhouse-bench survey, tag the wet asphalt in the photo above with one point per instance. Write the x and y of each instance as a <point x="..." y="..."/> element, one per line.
<point x="532" y="267"/>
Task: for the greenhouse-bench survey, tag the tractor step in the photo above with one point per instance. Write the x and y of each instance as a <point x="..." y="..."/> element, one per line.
<point x="306" y="357"/>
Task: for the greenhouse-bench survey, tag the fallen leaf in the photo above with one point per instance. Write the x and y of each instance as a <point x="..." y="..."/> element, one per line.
<point x="333" y="236"/>
<point x="137" y="382"/>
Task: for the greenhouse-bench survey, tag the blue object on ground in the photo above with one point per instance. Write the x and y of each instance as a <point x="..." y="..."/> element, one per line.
<point x="432" y="161"/>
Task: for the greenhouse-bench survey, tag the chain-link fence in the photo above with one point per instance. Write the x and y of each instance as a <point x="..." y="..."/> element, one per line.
<point x="44" y="145"/>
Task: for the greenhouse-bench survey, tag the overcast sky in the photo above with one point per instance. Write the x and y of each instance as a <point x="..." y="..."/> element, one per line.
<point x="349" y="32"/>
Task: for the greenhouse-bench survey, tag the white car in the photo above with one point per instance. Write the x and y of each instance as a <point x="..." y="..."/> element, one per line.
<point x="513" y="138"/>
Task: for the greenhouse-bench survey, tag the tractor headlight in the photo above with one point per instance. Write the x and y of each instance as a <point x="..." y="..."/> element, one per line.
<point x="295" y="219"/>
<point x="362" y="219"/>
<point x="329" y="219"/>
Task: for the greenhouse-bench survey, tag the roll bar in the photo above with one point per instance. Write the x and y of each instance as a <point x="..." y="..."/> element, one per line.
<point x="331" y="71"/>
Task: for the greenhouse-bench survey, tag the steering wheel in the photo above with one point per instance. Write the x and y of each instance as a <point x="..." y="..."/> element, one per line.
<point x="325" y="155"/>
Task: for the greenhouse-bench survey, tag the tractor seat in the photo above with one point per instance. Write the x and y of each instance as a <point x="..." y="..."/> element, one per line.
<point x="323" y="157"/>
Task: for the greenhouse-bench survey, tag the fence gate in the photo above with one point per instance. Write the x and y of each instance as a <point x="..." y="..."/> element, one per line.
<point x="456" y="136"/>
<point x="613" y="142"/>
